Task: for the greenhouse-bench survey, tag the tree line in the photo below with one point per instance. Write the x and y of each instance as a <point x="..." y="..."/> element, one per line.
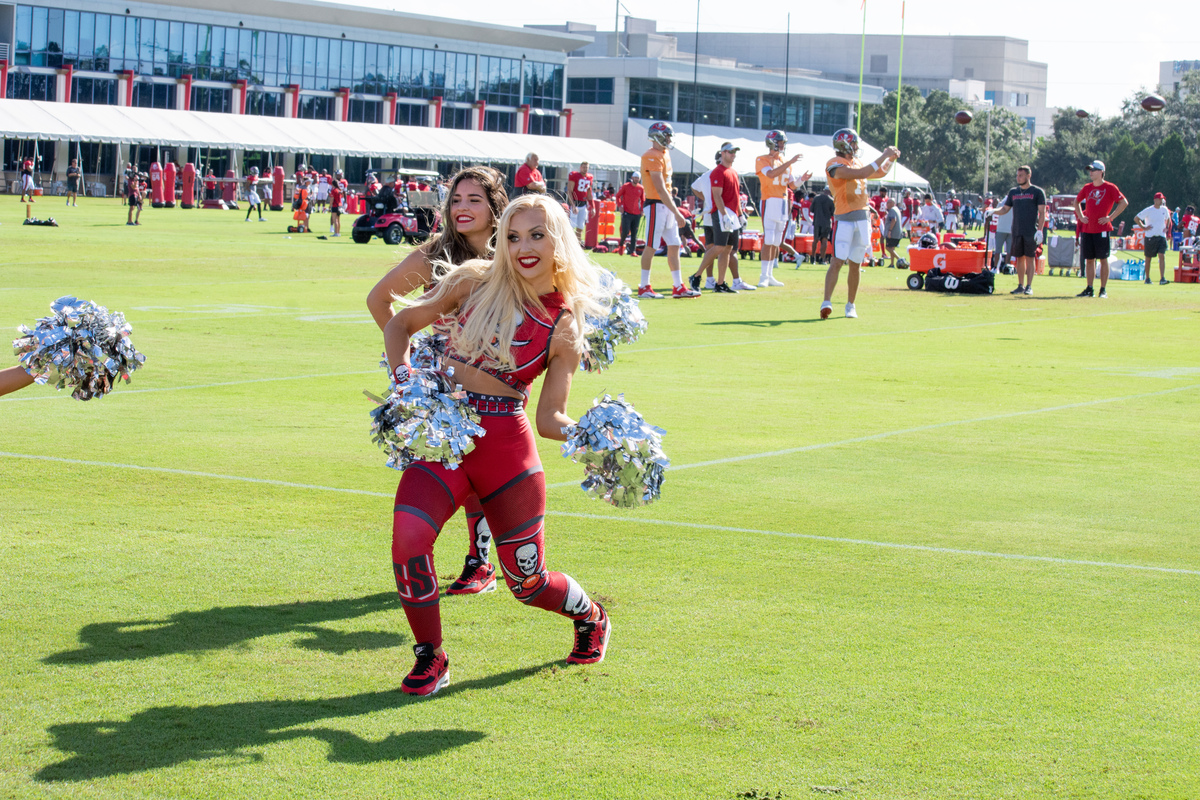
<point x="1144" y="152"/>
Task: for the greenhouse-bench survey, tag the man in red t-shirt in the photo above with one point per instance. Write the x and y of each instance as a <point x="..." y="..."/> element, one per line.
<point x="630" y="197"/>
<point x="878" y="200"/>
<point x="335" y="207"/>
<point x="1104" y="204"/>
<point x="528" y="180"/>
<point x="725" y="211"/>
<point x="580" y="184"/>
<point x="912" y="207"/>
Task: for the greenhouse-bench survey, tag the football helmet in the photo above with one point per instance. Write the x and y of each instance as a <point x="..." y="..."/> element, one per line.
<point x="776" y="141"/>
<point x="661" y="133"/>
<point x="254" y="170"/>
<point x="845" y="142"/>
<point x="927" y="240"/>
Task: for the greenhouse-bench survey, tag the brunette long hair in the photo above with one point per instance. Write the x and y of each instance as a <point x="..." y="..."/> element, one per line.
<point x="449" y="246"/>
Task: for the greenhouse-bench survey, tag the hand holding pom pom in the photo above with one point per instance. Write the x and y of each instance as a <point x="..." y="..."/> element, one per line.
<point x="622" y="456"/>
<point x="81" y="346"/>
<point x="425" y="418"/>
<point x="624" y="323"/>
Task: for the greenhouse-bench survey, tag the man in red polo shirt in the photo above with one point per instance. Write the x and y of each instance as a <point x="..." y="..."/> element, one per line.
<point x="1104" y="204"/>
<point x="528" y="179"/>
<point x="630" y="197"/>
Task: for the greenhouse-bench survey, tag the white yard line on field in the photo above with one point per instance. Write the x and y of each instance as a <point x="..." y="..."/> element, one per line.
<point x="67" y="396"/>
<point x="699" y="526"/>
<point x="635" y="520"/>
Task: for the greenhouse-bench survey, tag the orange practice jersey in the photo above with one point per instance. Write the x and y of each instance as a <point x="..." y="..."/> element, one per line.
<point x="849" y="194"/>
<point x="772" y="187"/>
<point x="656" y="161"/>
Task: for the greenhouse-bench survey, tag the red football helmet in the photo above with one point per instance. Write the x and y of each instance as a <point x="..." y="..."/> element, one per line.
<point x="845" y="142"/>
<point x="661" y="133"/>
<point x="776" y="141"/>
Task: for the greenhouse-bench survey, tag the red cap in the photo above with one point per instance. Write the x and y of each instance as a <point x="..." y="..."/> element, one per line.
<point x="1159" y="195"/>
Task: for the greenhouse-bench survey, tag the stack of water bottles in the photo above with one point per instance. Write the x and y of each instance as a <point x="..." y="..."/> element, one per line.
<point x="1134" y="270"/>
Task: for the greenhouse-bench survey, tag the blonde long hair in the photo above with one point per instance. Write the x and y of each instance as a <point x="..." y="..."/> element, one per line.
<point x="489" y="316"/>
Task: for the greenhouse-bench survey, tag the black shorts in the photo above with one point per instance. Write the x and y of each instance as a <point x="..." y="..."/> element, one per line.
<point x="73" y="185"/>
<point x="1022" y="246"/>
<point x="1155" y="246"/>
<point x="822" y="233"/>
<point x="1094" y="246"/>
<point x="892" y="242"/>
<point x="133" y="201"/>
<point x="721" y="238"/>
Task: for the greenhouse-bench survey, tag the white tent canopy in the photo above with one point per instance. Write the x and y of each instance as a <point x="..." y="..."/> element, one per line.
<point x="816" y="151"/>
<point x="33" y="119"/>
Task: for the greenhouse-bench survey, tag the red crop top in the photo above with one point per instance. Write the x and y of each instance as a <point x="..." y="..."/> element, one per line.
<point x="530" y="346"/>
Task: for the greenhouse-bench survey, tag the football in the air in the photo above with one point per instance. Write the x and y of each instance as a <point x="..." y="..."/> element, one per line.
<point x="1153" y="102"/>
<point x="1082" y="114"/>
<point x="963" y="117"/>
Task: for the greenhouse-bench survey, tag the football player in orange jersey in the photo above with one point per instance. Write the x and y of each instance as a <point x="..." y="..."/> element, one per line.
<point x="851" y="222"/>
<point x="663" y="219"/>
<point x="774" y="179"/>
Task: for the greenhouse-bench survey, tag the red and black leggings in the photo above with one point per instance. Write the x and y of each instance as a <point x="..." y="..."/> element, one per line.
<point x="506" y="474"/>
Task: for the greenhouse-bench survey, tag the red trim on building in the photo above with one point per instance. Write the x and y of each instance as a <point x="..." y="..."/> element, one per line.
<point x="525" y="118"/>
<point x="3" y="78"/>
<point x="436" y="104"/>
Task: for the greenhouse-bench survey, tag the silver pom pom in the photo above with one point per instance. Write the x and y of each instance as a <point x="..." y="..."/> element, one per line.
<point x="81" y="346"/>
<point x="624" y="323"/>
<point x="425" y="418"/>
<point x="622" y="456"/>
<point x="425" y="351"/>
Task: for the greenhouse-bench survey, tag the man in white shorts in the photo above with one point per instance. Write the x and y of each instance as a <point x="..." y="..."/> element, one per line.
<point x="775" y="178"/>
<point x="663" y="219"/>
<point x="580" y="185"/>
<point x="847" y="179"/>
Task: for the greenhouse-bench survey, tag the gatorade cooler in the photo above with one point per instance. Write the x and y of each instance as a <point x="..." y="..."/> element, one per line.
<point x="169" y="185"/>
<point x="156" y="186"/>
<point x="189" y="186"/>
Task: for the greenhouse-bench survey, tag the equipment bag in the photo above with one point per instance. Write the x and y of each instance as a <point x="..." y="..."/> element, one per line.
<point x="977" y="283"/>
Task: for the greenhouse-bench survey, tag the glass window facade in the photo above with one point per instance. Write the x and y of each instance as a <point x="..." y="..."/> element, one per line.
<point x="264" y="104"/>
<point x="590" y="91"/>
<point x="365" y="110"/>
<point x="829" y="116"/>
<point x="745" y="109"/>
<point x="704" y="105"/>
<point x="207" y="98"/>
<point x="96" y="91"/>
<point x="112" y="42"/>
<point x="24" y="86"/>
<point x="502" y="121"/>
<point x="785" y="113"/>
<point x="649" y="99"/>
<point x="41" y="151"/>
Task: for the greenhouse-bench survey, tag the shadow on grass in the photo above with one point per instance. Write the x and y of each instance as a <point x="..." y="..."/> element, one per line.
<point x="165" y="737"/>
<point x="217" y="628"/>
<point x="763" y="323"/>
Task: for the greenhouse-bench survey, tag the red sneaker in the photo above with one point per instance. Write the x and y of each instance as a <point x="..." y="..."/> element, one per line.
<point x="478" y="577"/>
<point x="429" y="674"/>
<point x="647" y="291"/>
<point x="683" y="291"/>
<point x="591" y="640"/>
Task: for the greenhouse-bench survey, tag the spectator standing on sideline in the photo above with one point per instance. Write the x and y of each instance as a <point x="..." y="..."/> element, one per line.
<point x="133" y="191"/>
<point x="581" y="185"/>
<point x="528" y="179"/>
<point x="27" y="186"/>
<point x="932" y="214"/>
<point x="663" y="219"/>
<point x="336" y="200"/>
<point x="852" y="224"/>
<point x="210" y="185"/>
<point x="630" y="198"/>
<point x="1104" y="204"/>
<point x="823" y="209"/>
<point x="1028" y="206"/>
<point x="893" y="230"/>
<point x="1002" y="247"/>
<point x="74" y="183"/>
<point x="1156" y="219"/>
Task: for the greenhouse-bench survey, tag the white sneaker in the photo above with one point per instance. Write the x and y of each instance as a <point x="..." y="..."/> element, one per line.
<point x="850" y="312"/>
<point x="764" y="282"/>
<point x="826" y="309"/>
<point x="773" y="281"/>
<point x="710" y="284"/>
<point x="742" y="286"/>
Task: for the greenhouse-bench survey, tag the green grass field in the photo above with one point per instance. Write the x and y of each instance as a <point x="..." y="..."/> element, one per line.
<point x="946" y="550"/>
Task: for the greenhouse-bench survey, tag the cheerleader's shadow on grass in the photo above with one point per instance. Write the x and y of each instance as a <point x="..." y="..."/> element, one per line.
<point x="164" y="737"/>
<point x="225" y="626"/>
<point x="762" y="323"/>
